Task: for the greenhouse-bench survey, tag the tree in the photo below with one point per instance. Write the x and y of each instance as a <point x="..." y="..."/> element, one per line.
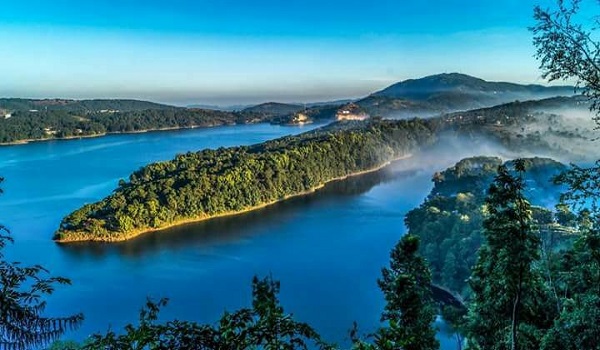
<point x="566" y="49"/>
<point x="22" y="291"/>
<point x="410" y="310"/>
<point x="580" y="271"/>
<point x="264" y="326"/>
<point x="503" y="280"/>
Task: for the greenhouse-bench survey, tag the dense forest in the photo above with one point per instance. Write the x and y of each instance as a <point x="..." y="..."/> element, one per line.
<point x="209" y="183"/>
<point x="53" y="124"/>
<point x="80" y="106"/>
<point x="449" y="221"/>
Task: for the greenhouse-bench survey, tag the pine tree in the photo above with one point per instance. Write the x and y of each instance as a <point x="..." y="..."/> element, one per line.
<point x="503" y="280"/>
<point x="410" y="310"/>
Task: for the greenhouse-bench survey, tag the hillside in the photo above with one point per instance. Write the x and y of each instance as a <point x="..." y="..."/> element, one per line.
<point x="444" y="93"/>
<point x="81" y="106"/>
<point x="24" y="126"/>
<point x="274" y="109"/>
<point x="23" y="120"/>
<point x="560" y="126"/>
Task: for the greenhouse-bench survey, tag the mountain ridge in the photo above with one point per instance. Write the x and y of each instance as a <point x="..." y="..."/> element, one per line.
<point x="451" y="92"/>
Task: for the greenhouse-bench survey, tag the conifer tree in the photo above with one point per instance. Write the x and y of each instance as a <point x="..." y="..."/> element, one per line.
<point x="410" y="310"/>
<point x="503" y="280"/>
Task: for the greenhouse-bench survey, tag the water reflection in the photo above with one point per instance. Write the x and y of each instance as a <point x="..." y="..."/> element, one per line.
<point x="232" y="229"/>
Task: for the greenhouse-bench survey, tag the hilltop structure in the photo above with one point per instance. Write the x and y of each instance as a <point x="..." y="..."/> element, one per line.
<point x="351" y="111"/>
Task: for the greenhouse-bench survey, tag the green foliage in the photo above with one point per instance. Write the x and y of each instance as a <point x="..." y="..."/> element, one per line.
<point x="450" y="220"/>
<point x="22" y="291"/>
<point x="61" y="123"/>
<point x="584" y="188"/>
<point x="578" y="284"/>
<point x="567" y="50"/>
<point x="228" y="180"/>
<point x="65" y="345"/>
<point x="558" y="264"/>
<point x="409" y="309"/>
<point x="264" y="326"/>
<point x="505" y="311"/>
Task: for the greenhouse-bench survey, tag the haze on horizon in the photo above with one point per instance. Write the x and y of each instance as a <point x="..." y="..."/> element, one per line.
<point x="239" y="52"/>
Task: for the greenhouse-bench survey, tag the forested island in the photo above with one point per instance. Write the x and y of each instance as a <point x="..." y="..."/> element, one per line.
<point x="210" y="183"/>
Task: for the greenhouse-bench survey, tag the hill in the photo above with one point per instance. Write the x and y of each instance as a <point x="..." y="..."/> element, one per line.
<point x="560" y="126"/>
<point x="274" y="109"/>
<point x="444" y="93"/>
<point x="81" y="106"/>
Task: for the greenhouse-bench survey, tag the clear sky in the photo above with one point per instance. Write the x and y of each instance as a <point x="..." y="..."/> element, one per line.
<point x="234" y="51"/>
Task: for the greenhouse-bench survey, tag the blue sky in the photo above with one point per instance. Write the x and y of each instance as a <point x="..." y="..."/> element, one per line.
<point x="228" y="52"/>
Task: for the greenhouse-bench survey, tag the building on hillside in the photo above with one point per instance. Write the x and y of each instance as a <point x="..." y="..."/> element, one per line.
<point x="300" y="118"/>
<point x="351" y="112"/>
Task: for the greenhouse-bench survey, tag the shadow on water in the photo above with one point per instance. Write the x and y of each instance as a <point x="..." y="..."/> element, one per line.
<point x="235" y="228"/>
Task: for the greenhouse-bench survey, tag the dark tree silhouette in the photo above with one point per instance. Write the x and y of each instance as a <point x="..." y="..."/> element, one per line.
<point x="410" y="310"/>
<point x="22" y="291"/>
<point x="264" y="326"/>
<point x="566" y="49"/>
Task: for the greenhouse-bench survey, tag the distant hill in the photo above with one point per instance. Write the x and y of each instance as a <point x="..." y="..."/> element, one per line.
<point x="96" y="105"/>
<point x="225" y="108"/>
<point x="444" y="93"/>
<point x="274" y="109"/>
<point x="330" y="103"/>
<point x="269" y="107"/>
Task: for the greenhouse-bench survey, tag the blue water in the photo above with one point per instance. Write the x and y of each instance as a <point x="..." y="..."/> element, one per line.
<point x="327" y="249"/>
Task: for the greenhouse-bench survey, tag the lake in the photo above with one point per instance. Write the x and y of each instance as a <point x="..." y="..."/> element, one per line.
<point x="327" y="248"/>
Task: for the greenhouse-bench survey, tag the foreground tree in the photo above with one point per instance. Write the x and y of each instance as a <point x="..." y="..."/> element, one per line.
<point x="580" y="282"/>
<point x="504" y="307"/>
<point x="566" y="47"/>
<point x="264" y="326"/>
<point x="410" y="310"/>
<point x="22" y="291"/>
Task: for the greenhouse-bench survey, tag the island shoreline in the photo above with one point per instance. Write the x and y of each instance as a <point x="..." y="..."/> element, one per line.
<point x="76" y="137"/>
<point x="138" y="233"/>
<point x="173" y="128"/>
